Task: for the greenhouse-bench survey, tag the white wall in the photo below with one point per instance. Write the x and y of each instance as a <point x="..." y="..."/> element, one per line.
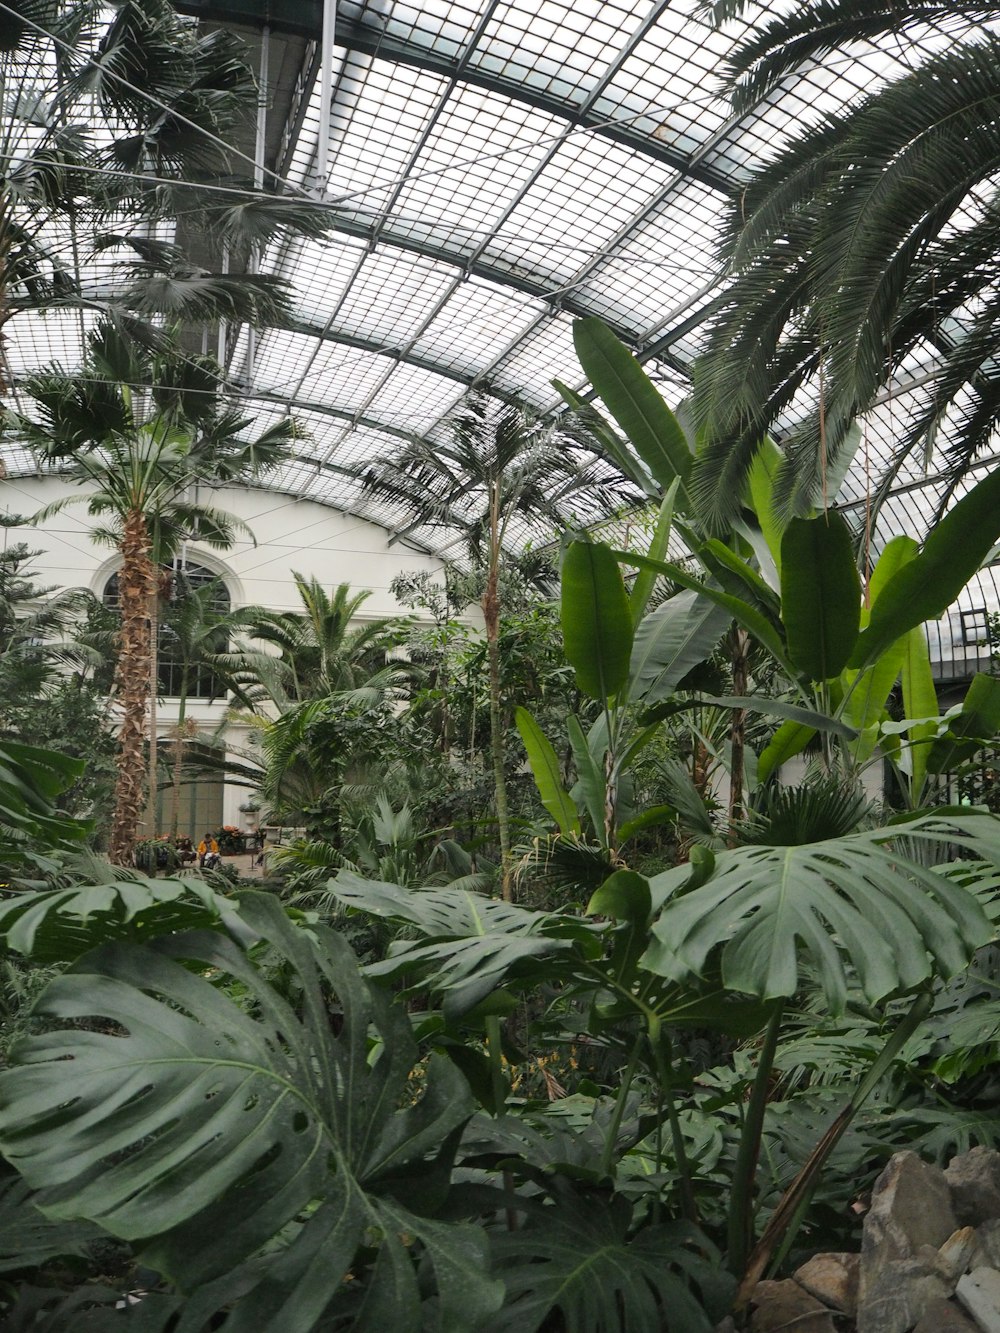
<point x="288" y="534"/>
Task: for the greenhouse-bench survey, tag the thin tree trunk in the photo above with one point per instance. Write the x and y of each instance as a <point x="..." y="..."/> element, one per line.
<point x="136" y="582"/>
<point x="738" y="733"/>
<point x="491" y="615"/>
<point x="181" y="734"/>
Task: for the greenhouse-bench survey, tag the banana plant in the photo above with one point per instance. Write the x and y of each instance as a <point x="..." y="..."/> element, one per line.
<point x="626" y="660"/>
<point x="842" y="653"/>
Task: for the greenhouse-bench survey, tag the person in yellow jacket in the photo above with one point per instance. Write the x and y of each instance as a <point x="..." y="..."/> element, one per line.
<point x="207" y="847"/>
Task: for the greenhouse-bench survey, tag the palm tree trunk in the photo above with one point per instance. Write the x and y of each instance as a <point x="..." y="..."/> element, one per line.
<point x="491" y="615"/>
<point x="136" y="582"/>
<point x="154" y="690"/>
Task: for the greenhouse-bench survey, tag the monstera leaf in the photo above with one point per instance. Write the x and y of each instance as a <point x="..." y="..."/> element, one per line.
<point x="470" y="945"/>
<point x="253" y="1150"/>
<point x="863" y="904"/>
<point x="584" y="1263"/>
<point x="59" y="925"/>
<point x="29" y="1239"/>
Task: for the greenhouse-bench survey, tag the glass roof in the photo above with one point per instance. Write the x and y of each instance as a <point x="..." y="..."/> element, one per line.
<point x="495" y="168"/>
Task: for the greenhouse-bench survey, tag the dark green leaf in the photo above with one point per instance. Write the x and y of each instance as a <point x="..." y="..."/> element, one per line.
<point x="860" y="904"/>
<point x="820" y="594"/>
<point x="596" y="619"/>
<point x="580" y="1261"/>
<point x="546" y="772"/>
<point x="261" y="1146"/>
<point x="59" y="925"/>
<point x="926" y="586"/>
<point x="670" y="641"/>
<point x="647" y="421"/>
<point x="975" y="726"/>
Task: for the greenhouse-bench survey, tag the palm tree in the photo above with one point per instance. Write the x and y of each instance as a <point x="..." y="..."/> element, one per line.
<point x="113" y="118"/>
<point x="867" y="238"/>
<point x="322" y="674"/>
<point x="139" y="456"/>
<point x="316" y="652"/>
<point x="498" y="467"/>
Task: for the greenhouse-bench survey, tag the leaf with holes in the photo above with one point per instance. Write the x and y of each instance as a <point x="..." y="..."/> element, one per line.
<point x="254" y="1151"/>
<point x="859" y="906"/>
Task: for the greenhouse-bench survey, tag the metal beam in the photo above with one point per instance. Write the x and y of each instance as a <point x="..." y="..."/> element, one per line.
<point x="362" y="37"/>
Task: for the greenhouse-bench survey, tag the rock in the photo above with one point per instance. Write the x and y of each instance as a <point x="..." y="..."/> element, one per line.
<point x="958" y="1254"/>
<point x="832" y="1279"/>
<point x="728" y="1325"/>
<point x="898" y="1296"/>
<point x="784" y="1305"/>
<point x="911" y="1206"/>
<point x="945" y="1317"/>
<point x="979" y="1292"/>
<point x="987" y="1245"/>
<point x="974" y="1181"/>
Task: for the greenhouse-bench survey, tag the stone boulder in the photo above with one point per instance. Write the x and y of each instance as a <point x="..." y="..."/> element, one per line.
<point x="974" y="1182"/>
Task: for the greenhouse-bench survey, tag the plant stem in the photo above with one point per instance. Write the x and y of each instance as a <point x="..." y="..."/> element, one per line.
<point x="688" y="1205"/>
<point x="792" y="1205"/>
<point x="741" y="1204"/>
<point x="607" y="1157"/>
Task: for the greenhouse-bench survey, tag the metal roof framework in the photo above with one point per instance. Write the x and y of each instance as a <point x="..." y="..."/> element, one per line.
<point x="493" y="169"/>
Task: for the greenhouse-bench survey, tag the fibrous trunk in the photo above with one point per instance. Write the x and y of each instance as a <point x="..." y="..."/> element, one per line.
<point x="136" y="587"/>
<point x="491" y="615"/>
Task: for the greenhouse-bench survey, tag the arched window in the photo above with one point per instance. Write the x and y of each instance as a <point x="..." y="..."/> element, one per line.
<point x="193" y="610"/>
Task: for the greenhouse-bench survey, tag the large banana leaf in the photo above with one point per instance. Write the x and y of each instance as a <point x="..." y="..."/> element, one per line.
<point x="591" y="786"/>
<point x="546" y="772"/>
<point x="256" y="1149"/>
<point x="670" y="641"/>
<point x="602" y="431"/>
<point x="651" y="427"/>
<point x="741" y="611"/>
<point x="645" y="580"/>
<point x="820" y="594"/>
<point x="926" y="586"/>
<point x="596" y="619"/>
<point x="862" y="904"/>
<point x="919" y="700"/>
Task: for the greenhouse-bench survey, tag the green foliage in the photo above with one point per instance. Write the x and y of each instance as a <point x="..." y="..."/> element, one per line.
<point x="599" y="1277"/>
<point x="596" y="619"/>
<point x="270" y="1130"/>
<point x="60" y="925"/>
<point x="648" y="423"/>
<point x="31" y="828"/>
<point x="847" y="905"/>
<point x="820" y="595"/>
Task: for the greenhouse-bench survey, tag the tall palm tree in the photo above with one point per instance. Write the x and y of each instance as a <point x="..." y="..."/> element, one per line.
<point x="868" y="237"/>
<point x="496" y="467"/>
<point x="139" y="456"/>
